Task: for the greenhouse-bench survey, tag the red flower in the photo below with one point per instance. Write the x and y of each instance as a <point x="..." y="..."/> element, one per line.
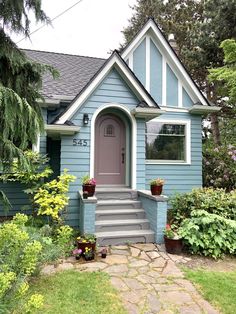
<point x="168" y="227"/>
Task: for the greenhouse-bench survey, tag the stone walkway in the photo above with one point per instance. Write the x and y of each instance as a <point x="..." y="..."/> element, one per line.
<point x="147" y="278"/>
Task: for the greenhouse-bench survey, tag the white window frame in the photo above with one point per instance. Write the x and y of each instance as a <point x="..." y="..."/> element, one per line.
<point x="187" y="124"/>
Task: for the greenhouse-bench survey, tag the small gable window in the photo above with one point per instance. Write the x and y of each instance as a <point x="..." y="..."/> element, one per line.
<point x="167" y="142"/>
<point x="109" y="131"/>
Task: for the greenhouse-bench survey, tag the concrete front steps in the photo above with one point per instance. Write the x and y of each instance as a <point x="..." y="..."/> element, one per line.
<point x="120" y="218"/>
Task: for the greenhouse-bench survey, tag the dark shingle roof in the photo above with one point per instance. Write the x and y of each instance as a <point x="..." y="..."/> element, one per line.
<point x="75" y="72"/>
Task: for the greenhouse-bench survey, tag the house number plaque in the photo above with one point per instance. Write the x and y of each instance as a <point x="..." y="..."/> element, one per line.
<point x="80" y="142"/>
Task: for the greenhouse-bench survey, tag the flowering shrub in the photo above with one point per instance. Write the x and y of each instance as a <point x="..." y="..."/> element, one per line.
<point x="157" y="182"/>
<point x="219" y="167"/>
<point x="51" y="197"/>
<point x="18" y="260"/>
<point x="87" y="180"/>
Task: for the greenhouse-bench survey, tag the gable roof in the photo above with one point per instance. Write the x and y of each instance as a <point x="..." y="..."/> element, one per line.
<point x="120" y="65"/>
<point x="152" y="26"/>
<point x="75" y="72"/>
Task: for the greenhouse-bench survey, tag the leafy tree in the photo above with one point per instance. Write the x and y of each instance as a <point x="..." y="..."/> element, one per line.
<point x="20" y="81"/>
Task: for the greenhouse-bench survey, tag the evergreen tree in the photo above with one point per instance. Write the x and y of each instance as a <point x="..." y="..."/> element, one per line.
<point x="20" y="82"/>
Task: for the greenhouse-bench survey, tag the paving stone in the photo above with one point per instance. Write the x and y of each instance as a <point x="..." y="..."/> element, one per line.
<point x="131" y="296"/>
<point x="190" y="309"/>
<point x="144" y="256"/>
<point x="166" y="287"/>
<point x="153" y="274"/>
<point x="119" y="247"/>
<point x="143" y="270"/>
<point x="146" y="279"/>
<point x="134" y="252"/>
<point x="119" y="284"/>
<point x="164" y="255"/>
<point x="138" y="263"/>
<point x="116" y="259"/>
<point x="120" y="252"/>
<point x="185" y="284"/>
<point x="145" y="246"/>
<point x="97" y="265"/>
<point x="161" y="247"/>
<point x="175" y="297"/>
<point x="132" y="273"/>
<point x="175" y="257"/>
<point x="153" y="303"/>
<point x="119" y="269"/>
<point x="153" y="254"/>
<point x="48" y="270"/>
<point x="64" y="266"/>
<point x="133" y="284"/>
<point x="158" y="263"/>
<point x="131" y="308"/>
<point x="172" y="270"/>
<point x="206" y="307"/>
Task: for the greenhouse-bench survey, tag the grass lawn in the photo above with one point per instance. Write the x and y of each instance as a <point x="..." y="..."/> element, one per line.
<point x="77" y="292"/>
<point x="219" y="288"/>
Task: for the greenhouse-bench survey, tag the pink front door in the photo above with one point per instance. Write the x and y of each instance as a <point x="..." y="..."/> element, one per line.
<point x="109" y="150"/>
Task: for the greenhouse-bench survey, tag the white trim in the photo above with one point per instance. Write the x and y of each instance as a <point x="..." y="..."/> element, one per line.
<point x="114" y="61"/>
<point x="36" y="147"/>
<point x="186" y="122"/>
<point x="131" y="61"/>
<point x="133" y="141"/>
<point x="173" y="109"/>
<point x="148" y="63"/>
<point x="164" y="81"/>
<point x="180" y="94"/>
<point x="167" y="52"/>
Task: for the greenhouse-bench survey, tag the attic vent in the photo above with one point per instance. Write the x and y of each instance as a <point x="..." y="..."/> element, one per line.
<point x="109" y="131"/>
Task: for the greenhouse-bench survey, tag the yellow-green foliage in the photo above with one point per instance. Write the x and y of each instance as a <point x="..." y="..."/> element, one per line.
<point x="51" y="197"/>
<point x="18" y="260"/>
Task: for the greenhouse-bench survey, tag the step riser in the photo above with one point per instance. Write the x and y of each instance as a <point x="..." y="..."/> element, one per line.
<point x="125" y="227"/>
<point x="120" y="216"/>
<point x="129" y="239"/>
<point x="129" y="195"/>
<point x="115" y="206"/>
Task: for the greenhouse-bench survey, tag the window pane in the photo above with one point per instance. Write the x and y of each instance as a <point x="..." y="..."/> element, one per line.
<point x="165" y="141"/>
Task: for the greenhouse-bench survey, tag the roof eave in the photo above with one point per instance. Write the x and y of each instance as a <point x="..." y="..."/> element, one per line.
<point x="203" y="110"/>
<point x="147" y="113"/>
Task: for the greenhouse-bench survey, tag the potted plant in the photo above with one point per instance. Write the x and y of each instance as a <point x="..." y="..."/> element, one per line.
<point x="156" y="186"/>
<point x="87" y="240"/>
<point x="77" y="253"/>
<point x="173" y="242"/>
<point x="104" y="253"/>
<point x="88" y="254"/>
<point x="88" y="185"/>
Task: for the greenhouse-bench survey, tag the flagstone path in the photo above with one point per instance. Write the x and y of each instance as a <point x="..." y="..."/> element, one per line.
<point x="148" y="279"/>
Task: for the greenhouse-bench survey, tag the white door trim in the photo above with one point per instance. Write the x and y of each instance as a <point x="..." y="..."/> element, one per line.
<point x="133" y="140"/>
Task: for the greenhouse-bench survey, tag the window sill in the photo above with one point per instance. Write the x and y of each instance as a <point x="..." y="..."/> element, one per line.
<point x="184" y="163"/>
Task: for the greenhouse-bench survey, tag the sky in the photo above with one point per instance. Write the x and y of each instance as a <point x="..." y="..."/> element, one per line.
<point x="91" y="28"/>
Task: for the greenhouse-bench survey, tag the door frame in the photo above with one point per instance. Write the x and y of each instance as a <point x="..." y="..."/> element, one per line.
<point x="133" y="139"/>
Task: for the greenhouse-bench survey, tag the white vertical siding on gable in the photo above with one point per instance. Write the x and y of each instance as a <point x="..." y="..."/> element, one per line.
<point x="139" y="62"/>
<point x="155" y="73"/>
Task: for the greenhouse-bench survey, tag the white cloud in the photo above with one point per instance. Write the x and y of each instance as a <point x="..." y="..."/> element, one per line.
<point x="91" y="28"/>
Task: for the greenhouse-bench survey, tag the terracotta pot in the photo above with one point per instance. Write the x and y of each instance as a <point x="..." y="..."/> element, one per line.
<point x="89" y="245"/>
<point x="173" y="246"/>
<point x="89" y="188"/>
<point x="156" y="189"/>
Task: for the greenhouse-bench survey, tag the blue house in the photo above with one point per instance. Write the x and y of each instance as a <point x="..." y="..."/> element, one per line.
<point x="124" y="121"/>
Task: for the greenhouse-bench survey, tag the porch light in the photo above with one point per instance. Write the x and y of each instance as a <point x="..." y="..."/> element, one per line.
<point x="85" y="119"/>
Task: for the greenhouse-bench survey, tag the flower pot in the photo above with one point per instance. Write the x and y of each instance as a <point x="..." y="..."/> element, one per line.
<point x="89" y="188"/>
<point x="77" y="257"/>
<point x="83" y="245"/>
<point x="89" y="258"/>
<point x="173" y="246"/>
<point x="156" y="189"/>
<point x="104" y="255"/>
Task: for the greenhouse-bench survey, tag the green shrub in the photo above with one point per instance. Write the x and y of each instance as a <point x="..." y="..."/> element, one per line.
<point x="18" y="260"/>
<point x="209" y="234"/>
<point x="214" y="201"/>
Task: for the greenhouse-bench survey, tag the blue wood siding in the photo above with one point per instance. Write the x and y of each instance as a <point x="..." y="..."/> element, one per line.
<point x="139" y="62"/>
<point x="171" y="88"/>
<point x="155" y="73"/>
<point x="187" y="101"/>
<point x="180" y="177"/>
<point x="113" y="89"/>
